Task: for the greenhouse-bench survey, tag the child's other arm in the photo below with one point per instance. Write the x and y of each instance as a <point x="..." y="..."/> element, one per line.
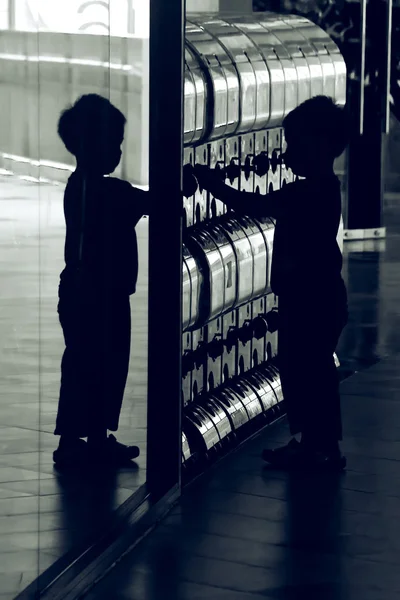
<point x="245" y="203"/>
<point x="142" y="202"/>
<point x="136" y="201"/>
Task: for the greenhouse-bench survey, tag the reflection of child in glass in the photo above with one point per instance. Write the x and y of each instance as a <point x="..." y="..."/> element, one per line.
<point x="101" y="270"/>
<point x="306" y="275"/>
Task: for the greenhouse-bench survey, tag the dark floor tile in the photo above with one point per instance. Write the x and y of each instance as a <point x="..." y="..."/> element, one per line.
<point x="166" y="567"/>
<point x="142" y="586"/>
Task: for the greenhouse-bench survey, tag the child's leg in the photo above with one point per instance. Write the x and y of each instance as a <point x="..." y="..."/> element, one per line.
<point x="309" y="378"/>
<point x="72" y="416"/>
<point x="117" y="359"/>
<point x="116" y="328"/>
<point x="79" y="390"/>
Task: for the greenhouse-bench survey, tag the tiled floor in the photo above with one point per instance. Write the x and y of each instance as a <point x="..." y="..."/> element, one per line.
<point x="372" y="279"/>
<point x="40" y="509"/>
<point x="44" y="514"/>
<point x="244" y="532"/>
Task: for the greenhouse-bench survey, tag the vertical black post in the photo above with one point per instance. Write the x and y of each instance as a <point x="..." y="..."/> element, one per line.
<point x="167" y="22"/>
<point x="365" y="153"/>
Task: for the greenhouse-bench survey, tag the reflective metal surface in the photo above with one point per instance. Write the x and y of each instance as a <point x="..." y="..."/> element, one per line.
<point x="242" y="74"/>
<point x="238" y="47"/>
<point x="200" y="430"/>
<point x="264" y="389"/>
<point x="213" y="289"/>
<point x="248" y="396"/>
<point x="219" y="416"/>
<point x="244" y="258"/>
<point x="267" y="228"/>
<point x="186" y="296"/>
<point x="272" y="374"/>
<point x="194" y="278"/>
<point x="234" y="407"/>
<point x="261" y="67"/>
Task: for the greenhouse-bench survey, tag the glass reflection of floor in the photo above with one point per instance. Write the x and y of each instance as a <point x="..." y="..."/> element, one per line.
<point x="372" y="280"/>
<point x="40" y="508"/>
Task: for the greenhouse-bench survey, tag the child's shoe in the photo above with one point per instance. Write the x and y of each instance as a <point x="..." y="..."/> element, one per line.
<point x="71" y="453"/>
<point x="296" y="456"/>
<point x="113" y="452"/>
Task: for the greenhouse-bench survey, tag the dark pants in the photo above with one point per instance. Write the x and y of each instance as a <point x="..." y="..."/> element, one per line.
<point x="307" y="338"/>
<point x="94" y="367"/>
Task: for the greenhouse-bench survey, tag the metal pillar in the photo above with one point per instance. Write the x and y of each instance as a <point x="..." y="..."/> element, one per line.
<point x="167" y="21"/>
<point x="369" y="98"/>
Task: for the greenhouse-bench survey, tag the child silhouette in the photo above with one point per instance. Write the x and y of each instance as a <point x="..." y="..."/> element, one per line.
<point x="101" y="268"/>
<point x="306" y="276"/>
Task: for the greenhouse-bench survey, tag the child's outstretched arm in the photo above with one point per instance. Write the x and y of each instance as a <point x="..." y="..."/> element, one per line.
<point x="245" y="203"/>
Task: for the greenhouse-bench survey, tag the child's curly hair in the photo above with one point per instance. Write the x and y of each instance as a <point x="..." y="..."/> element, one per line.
<point x="320" y="117"/>
<point x="89" y="124"/>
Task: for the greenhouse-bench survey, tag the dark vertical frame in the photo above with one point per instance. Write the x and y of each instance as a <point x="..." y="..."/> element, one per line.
<point x="365" y="152"/>
<point x="167" y="23"/>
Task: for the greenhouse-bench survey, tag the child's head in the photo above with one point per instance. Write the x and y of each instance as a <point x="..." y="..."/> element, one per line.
<point x="316" y="134"/>
<point x="93" y="131"/>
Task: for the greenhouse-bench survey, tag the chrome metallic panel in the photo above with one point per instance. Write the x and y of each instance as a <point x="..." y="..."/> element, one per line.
<point x="260" y="256"/>
<point x="267" y="228"/>
<point x="272" y="374"/>
<point x="238" y="46"/>
<point x="213" y="290"/>
<point x="244" y="257"/>
<point x="234" y="407"/>
<point x="267" y="46"/>
<point x="196" y="286"/>
<point x="217" y="161"/>
<point x="277" y="48"/>
<point x="230" y="281"/>
<point x="219" y="416"/>
<point x="186" y="453"/>
<point x="190" y="99"/>
<point x="186" y="296"/>
<point x="332" y="62"/>
<point x="248" y="396"/>
<point x="264" y="389"/>
<point x="292" y="41"/>
<point x="193" y="65"/>
<point x="261" y="149"/>
<point x="201" y="157"/>
<point x="263" y="80"/>
<point x="224" y="77"/>
<point x="205" y="426"/>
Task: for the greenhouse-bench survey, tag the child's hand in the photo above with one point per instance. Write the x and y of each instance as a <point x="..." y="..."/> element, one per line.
<point x="208" y="179"/>
<point x="189" y="181"/>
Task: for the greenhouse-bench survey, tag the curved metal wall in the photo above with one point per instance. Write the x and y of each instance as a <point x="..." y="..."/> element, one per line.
<point x="242" y="74"/>
<point x="252" y="71"/>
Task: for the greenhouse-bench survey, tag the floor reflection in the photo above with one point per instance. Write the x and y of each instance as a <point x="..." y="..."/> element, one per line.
<point x="40" y="508"/>
<point x="57" y="512"/>
<point x="372" y="277"/>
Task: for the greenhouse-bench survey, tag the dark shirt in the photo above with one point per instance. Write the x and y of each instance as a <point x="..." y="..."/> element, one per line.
<point x="109" y="210"/>
<point x="306" y="257"/>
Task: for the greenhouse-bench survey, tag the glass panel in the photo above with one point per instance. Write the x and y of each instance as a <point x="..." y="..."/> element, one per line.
<point x="57" y="52"/>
